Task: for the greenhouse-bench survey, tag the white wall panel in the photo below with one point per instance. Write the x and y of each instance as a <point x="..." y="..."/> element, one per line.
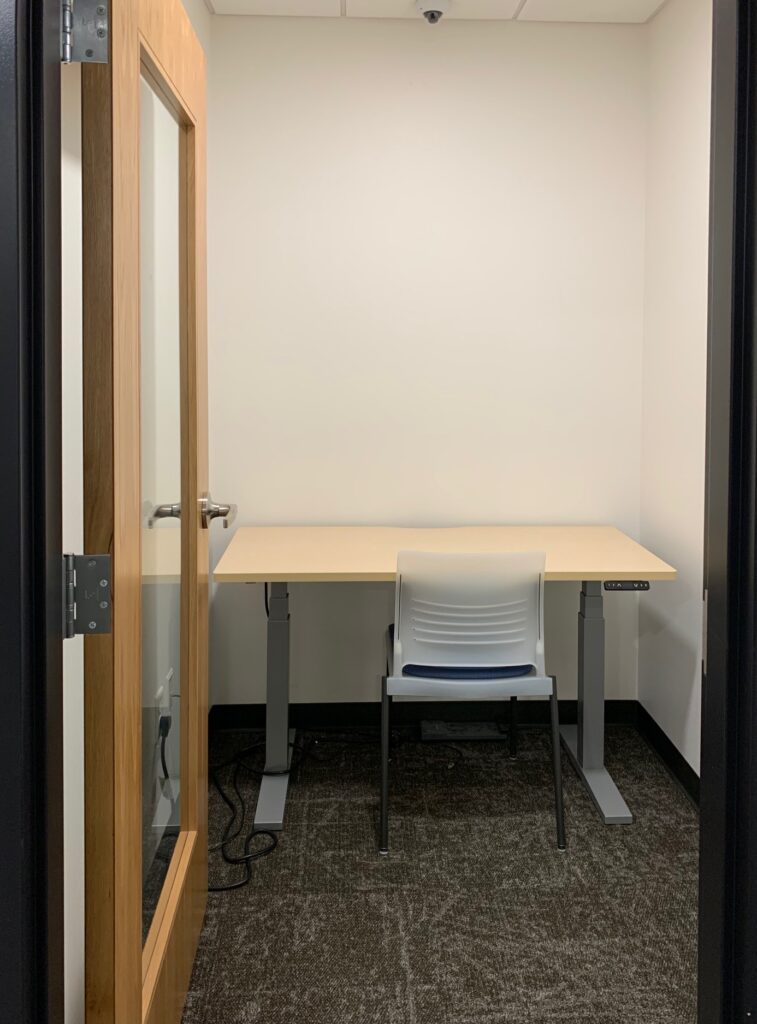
<point x="73" y="538"/>
<point x="426" y="305"/>
<point x="675" y="372"/>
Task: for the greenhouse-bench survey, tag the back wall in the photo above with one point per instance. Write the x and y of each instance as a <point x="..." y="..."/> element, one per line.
<point x="426" y="306"/>
<point x="675" y="365"/>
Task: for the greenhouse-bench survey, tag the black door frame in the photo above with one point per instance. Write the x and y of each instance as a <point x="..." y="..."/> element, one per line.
<point x="31" y="624"/>
<point x="31" y="632"/>
<point x="728" y="797"/>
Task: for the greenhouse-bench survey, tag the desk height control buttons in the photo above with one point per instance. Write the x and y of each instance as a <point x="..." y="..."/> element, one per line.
<point x="626" y="584"/>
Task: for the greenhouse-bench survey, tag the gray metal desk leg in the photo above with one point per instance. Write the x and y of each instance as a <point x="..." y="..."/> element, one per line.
<point x="269" y="813"/>
<point x="585" y="743"/>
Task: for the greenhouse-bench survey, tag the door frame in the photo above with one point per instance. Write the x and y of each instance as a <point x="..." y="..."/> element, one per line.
<point x="31" y="626"/>
<point x="31" y="634"/>
<point x="728" y="799"/>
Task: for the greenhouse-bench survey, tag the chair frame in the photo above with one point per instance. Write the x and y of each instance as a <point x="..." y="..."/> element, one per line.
<point x="506" y="686"/>
<point x="386" y="706"/>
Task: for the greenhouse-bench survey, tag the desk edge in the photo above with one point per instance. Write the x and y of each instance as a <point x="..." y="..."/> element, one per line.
<point x="659" y="575"/>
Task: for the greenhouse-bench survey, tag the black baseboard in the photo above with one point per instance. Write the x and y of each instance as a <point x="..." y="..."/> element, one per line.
<point x="674" y="760"/>
<point x="365" y="715"/>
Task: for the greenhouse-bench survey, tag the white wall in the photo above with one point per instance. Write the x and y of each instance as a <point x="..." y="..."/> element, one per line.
<point x="426" y="272"/>
<point x="675" y="338"/>
<point x="73" y="540"/>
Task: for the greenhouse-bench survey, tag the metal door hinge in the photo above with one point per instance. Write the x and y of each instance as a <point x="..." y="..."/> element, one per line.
<point x="87" y="601"/>
<point x="84" y="31"/>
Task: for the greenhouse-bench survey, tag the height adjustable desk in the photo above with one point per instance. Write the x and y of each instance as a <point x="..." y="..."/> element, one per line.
<point x="592" y="555"/>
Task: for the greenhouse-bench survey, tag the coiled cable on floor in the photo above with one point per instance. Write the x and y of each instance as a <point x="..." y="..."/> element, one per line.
<point x="238" y="808"/>
<point x="235" y="824"/>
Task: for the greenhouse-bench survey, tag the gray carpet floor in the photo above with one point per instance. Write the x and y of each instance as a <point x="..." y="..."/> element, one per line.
<point x="475" y="917"/>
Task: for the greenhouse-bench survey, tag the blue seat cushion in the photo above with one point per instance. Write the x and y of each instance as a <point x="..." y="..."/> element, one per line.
<point x="438" y="672"/>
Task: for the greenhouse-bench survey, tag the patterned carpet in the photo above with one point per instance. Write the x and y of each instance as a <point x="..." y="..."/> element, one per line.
<point x="475" y="917"/>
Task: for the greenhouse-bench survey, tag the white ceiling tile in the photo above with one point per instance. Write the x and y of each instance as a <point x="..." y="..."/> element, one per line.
<point x="292" y="8"/>
<point x="590" y="10"/>
<point x="474" y="10"/>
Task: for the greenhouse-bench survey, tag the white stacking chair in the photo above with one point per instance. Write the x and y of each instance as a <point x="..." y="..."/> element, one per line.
<point x="468" y="626"/>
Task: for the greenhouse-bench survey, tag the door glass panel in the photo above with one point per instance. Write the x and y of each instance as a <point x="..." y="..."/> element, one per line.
<point x="160" y="347"/>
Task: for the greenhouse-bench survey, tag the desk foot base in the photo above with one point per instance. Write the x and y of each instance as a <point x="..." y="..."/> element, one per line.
<point x="598" y="782"/>
<point x="269" y="813"/>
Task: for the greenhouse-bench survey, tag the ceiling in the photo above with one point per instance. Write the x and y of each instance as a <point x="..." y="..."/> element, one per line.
<point x="620" y="11"/>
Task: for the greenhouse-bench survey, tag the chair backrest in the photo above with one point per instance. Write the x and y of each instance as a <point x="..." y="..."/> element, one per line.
<point x="469" y="610"/>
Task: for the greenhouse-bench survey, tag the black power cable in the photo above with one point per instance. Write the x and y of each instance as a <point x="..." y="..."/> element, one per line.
<point x="164" y="727"/>
<point x="238" y="762"/>
<point x="235" y="824"/>
<point x="163" y="758"/>
<point x="238" y="811"/>
<point x="231" y="833"/>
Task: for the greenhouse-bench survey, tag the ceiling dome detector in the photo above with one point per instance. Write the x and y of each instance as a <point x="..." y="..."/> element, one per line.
<point x="432" y="10"/>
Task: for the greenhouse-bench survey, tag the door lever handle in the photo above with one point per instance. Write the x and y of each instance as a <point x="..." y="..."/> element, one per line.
<point x="163" y="512"/>
<point x="210" y="510"/>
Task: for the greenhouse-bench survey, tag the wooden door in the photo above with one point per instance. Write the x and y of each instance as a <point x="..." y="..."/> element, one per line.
<point x="145" y="422"/>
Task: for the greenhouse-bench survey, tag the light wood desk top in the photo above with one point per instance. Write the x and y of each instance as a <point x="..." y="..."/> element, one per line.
<point x="343" y="554"/>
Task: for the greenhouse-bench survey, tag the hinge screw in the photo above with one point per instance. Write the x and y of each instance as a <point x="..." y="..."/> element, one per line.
<point x="93" y="625"/>
<point x="103" y="604"/>
<point x="103" y="583"/>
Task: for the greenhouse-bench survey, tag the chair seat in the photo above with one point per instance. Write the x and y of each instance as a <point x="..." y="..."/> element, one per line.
<point x="466" y="681"/>
<point x="457" y="672"/>
<point x="530" y="685"/>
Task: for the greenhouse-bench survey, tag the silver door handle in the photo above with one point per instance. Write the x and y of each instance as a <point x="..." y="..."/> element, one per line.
<point x="163" y="512"/>
<point x="210" y="510"/>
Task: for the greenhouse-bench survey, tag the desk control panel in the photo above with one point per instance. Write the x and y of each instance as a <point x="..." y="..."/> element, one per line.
<point x="626" y="584"/>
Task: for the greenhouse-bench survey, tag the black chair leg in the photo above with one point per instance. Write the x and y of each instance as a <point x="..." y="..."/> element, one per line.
<point x="513" y="728"/>
<point x="559" y="808"/>
<point x="384" y="816"/>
